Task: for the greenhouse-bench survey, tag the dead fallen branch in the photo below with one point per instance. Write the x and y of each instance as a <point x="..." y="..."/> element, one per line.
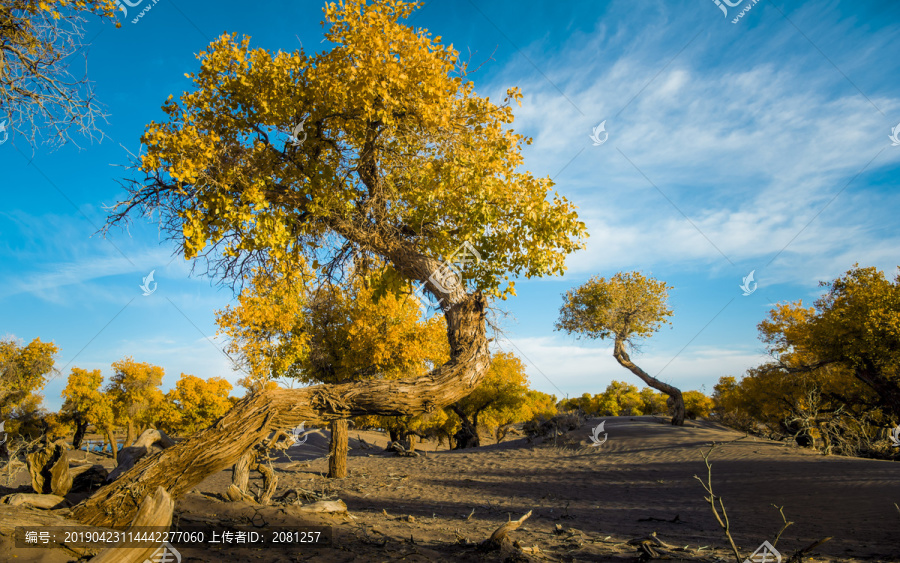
<point x="253" y="460"/>
<point x="797" y="557"/>
<point x="45" y="502"/>
<point x="323" y="507"/>
<point x="651" y="547"/>
<point x="500" y="538"/>
<point x="155" y="511"/>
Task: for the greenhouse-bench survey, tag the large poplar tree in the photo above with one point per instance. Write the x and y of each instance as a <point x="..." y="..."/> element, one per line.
<point x="397" y="159"/>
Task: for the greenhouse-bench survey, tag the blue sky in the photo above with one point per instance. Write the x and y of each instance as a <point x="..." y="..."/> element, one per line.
<point x="757" y="145"/>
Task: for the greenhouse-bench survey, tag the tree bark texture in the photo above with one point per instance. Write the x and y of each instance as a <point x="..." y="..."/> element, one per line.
<point x="337" y="450"/>
<point x="677" y="401"/>
<point x="155" y="512"/>
<point x="49" y="469"/>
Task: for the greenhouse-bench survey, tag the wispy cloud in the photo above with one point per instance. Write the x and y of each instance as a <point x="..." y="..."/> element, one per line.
<point x="740" y="160"/>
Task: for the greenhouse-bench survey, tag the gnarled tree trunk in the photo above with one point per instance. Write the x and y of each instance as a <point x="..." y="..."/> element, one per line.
<point x="337" y="449"/>
<point x="180" y="468"/>
<point x="467" y="435"/>
<point x="675" y="400"/>
<point x="80" y="429"/>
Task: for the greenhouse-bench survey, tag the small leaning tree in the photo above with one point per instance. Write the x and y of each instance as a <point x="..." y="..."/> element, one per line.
<point x="624" y="308"/>
<point x="398" y="159"/>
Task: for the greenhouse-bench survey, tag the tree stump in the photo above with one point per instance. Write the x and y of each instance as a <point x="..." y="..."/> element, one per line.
<point x="49" y="469"/>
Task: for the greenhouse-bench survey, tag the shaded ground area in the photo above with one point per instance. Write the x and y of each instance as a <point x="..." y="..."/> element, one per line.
<point x="587" y="502"/>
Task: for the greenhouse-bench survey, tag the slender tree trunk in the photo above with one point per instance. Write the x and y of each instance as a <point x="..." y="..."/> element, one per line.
<point x="110" y="437"/>
<point x="675" y="402"/>
<point x="337" y="458"/>
<point x="412" y="442"/>
<point x="80" y="429"/>
<point x="180" y="468"/>
<point x="130" y="436"/>
<point x="394" y="435"/>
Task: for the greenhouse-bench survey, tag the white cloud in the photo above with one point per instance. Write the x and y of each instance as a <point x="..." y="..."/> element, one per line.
<point x="752" y="152"/>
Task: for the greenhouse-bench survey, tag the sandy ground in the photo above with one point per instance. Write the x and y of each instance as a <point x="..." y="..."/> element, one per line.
<point x="587" y="502"/>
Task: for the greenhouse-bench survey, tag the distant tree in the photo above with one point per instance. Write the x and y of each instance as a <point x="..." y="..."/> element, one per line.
<point x="652" y="402"/>
<point x="195" y="403"/>
<point x="856" y="324"/>
<point x="540" y="403"/>
<point x="23" y="371"/>
<point x="498" y="399"/>
<point x="624" y="396"/>
<point x="697" y="405"/>
<point x="37" y="92"/>
<point x="626" y="307"/>
<point x="134" y="389"/>
<point x="82" y="396"/>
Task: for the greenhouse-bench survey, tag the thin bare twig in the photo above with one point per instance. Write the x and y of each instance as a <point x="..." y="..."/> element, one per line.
<point x="711" y="499"/>
<point x="783" y="528"/>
